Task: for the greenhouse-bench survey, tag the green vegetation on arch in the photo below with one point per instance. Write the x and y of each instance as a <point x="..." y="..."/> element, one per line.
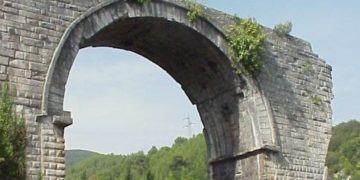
<point x="12" y="139"/>
<point x="195" y="9"/>
<point x="246" y="39"/>
<point x="283" y="29"/>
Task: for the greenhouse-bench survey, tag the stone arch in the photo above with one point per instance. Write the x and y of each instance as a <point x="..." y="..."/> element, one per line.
<point x="196" y="55"/>
<point x="85" y="29"/>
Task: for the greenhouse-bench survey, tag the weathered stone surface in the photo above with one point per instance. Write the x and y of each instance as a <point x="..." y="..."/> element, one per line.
<point x="266" y="126"/>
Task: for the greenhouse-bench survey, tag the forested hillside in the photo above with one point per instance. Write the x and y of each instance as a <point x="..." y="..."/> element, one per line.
<point x="343" y="157"/>
<point x="76" y="155"/>
<point x="186" y="159"/>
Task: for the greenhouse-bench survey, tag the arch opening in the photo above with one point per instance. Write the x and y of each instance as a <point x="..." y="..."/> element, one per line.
<point x="187" y="56"/>
<point x="123" y="103"/>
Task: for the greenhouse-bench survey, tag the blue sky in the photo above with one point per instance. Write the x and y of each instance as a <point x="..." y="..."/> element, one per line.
<point x="118" y="96"/>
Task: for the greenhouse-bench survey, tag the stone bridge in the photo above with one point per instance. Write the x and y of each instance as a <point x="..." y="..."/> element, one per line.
<point x="273" y="125"/>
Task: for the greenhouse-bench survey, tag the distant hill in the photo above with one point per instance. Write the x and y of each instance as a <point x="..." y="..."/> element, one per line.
<point x="73" y="156"/>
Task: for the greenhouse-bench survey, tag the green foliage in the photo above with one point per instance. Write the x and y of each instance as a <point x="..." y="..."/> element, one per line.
<point x="12" y="139"/>
<point x="315" y="99"/>
<point x="246" y="39"/>
<point x="343" y="158"/>
<point x="195" y="9"/>
<point x="283" y="29"/>
<point x="186" y="159"/>
<point x="308" y="69"/>
<point x="40" y="176"/>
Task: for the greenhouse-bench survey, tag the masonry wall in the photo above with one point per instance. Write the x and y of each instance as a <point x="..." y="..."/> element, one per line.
<point x="282" y="120"/>
<point x="298" y="86"/>
<point x="30" y="31"/>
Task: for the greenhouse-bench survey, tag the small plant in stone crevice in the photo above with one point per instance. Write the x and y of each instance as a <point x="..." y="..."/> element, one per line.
<point x="246" y="39"/>
<point x="283" y="29"/>
<point x="40" y="176"/>
<point x="308" y="69"/>
<point x="195" y="9"/>
<point x="315" y="99"/>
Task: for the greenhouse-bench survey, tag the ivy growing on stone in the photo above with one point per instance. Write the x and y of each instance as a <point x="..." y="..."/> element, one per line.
<point x="12" y="139"/>
<point x="246" y="39"/>
<point x="194" y="9"/>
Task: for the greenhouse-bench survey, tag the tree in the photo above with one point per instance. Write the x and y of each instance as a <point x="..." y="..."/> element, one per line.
<point x="12" y="139"/>
<point x="83" y="176"/>
<point x="343" y="158"/>
<point x="128" y="175"/>
<point x="149" y="176"/>
<point x="152" y="151"/>
<point x="180" y="141"/>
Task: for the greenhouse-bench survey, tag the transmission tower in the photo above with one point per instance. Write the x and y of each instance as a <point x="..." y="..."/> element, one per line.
<point x="188" y="125"/>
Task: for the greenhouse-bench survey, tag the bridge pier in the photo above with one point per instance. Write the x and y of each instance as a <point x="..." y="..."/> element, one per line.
<point x="52" y="144"/>
<point x="238" y="140"/>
